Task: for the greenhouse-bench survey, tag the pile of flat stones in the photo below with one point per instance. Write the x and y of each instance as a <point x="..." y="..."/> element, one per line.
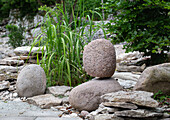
<point x="129" y="105"/>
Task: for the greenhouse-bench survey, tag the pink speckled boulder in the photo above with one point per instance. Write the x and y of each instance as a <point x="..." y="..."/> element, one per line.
<point x="99" y="58"/>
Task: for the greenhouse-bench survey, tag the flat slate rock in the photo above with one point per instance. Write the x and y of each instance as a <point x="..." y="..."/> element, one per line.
<point x="132" y="68"/>
<point x="11" y="62"/>
<point x="44" y="101"/>
<point x="140" y="98"/>
<point x="58" y="90"/>
<point x="126" y="76"/>
<point x="62" y="118"/>
<point x="7" y="76"/>
<point x="23" y="109"/>
<point x="120" y="105"/>
<point x="20" y="57"/>
<point x="4" y="85"/>
<point x="140" y="113"/>
<point x="106" y="117"/>
<point x="9" y="69"/>
<point x="26" y="49"/>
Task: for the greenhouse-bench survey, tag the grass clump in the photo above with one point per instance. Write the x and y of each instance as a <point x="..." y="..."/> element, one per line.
<point x="64" y="42"/>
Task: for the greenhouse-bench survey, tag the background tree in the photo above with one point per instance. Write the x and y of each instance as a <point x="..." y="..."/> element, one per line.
<point x="143" y="24"/>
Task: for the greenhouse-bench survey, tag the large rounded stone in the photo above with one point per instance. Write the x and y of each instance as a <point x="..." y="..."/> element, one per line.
<point x="87" y="95"/>
<point x="31" y="81"/>
<point x="155" y="78"/>
<point x="99" y="58"/>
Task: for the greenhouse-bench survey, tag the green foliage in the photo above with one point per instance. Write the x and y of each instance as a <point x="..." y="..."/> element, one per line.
<point x="161" y="98"/>
<point x="64" y="43"/>
<point x="7" y="5"/>
<point x="16" y="38"/>
<point x="29" y="8"/>
<point x="143" y="24"/>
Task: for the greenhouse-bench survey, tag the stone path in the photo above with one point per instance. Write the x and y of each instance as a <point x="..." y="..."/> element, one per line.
<point x="14" y="110"/>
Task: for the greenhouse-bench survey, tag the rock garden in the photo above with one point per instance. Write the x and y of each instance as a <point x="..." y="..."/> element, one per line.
<point x="73" y="63"/>
<point x="112" y="95"/>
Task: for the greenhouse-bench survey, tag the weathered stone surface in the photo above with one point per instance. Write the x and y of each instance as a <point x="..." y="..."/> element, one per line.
<point x="26" y="49"/>
<point x="58" y="90"/>
<point x="84" y="113"/>
<point x="104" y="110"/>
<point x="2" y="77"/>
<point x="132" y="68"/>
<point x="20" y="57"/>
<point x="87" y="95"/>
<point x="107" y="117"/>
<point x="120" y="105"/>
<point x="99" y="58"/>
<point x="126" y="79"/>
<point x="126" y="76"/>
<point x="31" y="81"/>
<point x="127" y="83"/>
<point x="9" y="69"/>
<point x="8" y="75"/>
<point x="140" y="98"/>
<point x="155" y="78"/>
<point x="11" y="62"/>
<point x="44" y="101"/>
<point x="4" y="85"/>
<point x="122" y="56"/>
<point x="140" y="113"/>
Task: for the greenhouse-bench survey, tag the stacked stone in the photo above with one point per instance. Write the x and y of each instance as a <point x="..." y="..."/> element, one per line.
<point x="132" y="105"/>
<point x="9" y="69"/>
<point x="99" y="60"/>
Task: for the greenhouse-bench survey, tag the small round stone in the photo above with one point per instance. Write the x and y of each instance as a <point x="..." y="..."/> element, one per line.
<point x="31" y="81"/>
<point x="99" y="58"/>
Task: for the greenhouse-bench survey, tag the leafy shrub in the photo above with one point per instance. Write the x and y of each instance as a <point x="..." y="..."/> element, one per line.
<point x="143" y="24"/>
<point x="162" y="98"/>
<point x="16" y="38"/>
<point x="64" y="43"/>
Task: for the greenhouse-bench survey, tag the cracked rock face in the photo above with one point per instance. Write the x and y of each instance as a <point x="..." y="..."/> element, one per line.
<point x="31" y="81"/>
<point x="99" y="58"/>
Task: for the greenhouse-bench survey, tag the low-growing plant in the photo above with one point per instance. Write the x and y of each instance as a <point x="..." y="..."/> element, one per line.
<point x="162" y="98"/>
<point x="64" y="43"/>
<point x="15" y="34"/>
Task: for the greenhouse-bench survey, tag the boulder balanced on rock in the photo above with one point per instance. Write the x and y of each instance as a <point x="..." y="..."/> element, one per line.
<point x="31" y="81"/>
<point x="99" y="60"/>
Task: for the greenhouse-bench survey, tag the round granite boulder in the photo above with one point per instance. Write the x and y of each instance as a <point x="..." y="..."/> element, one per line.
<point x="99" y="58"/>
<point x="87" y="95"/>
<point x="31" y="81"/>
